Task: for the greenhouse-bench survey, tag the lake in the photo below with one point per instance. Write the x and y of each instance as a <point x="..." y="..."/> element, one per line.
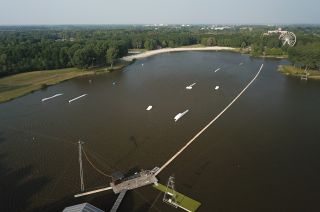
<point x="260" y="155"/>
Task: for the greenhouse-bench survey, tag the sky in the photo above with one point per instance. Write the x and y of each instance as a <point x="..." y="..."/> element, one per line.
<point x="52" y="12"/>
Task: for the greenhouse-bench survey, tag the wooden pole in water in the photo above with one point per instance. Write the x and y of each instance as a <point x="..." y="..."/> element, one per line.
<point x="80" y="164"/>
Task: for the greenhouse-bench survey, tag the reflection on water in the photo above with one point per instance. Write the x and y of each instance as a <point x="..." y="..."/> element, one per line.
<point x="261" y="155"/>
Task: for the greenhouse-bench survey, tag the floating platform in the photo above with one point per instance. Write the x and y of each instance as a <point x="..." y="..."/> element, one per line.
<point x="51" y="97"/>
<point x="179" y="115"/>
<point x="137" y="180"/>
<point x="217" y="70"/>
<point x="83" y="95"/>
<point x="183" y="202"/>
<point x="190" y="86"/>
<point x="149" y="107"/>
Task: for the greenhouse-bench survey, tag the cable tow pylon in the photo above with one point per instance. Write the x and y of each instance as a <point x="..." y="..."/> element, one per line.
<point x="80" y="164"/>
<point x="170" y="195"/>
<point x="81" y="150"/>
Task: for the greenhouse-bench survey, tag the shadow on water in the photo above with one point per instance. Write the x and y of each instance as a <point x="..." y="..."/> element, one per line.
<point x="18" y="186"/>
<point x="134" y="141"/>
<point x="103" y="201"/>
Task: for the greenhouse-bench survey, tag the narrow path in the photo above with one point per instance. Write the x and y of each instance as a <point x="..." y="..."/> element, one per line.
<point x="208" y="125"/>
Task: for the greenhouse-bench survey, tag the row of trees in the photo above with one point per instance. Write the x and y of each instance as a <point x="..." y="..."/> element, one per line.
<point x="306" y="56"/>
<point x="52" y="48"/>
<point x="46" y="55"/>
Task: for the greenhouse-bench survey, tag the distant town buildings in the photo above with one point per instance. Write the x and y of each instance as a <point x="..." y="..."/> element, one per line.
<point x="277" y="31"/>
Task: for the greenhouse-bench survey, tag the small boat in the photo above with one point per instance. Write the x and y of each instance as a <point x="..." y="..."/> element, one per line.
<point x="216" y="88"/>
<point x="179" y="115"/>
<point x="189" y="87"/>
<point x="149" y="108"/>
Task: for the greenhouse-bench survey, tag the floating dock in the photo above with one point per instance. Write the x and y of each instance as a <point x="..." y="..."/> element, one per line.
<point x="137" y="180"/>
<point x="118" y="201"/>
<point x="51" y="97"/>
<point x="83" y="95"/>
<point x="183" y="202"/>
<point x="149" y="107"/>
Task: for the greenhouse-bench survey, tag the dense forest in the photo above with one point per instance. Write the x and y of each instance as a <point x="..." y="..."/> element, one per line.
<point x="26" y="48"/>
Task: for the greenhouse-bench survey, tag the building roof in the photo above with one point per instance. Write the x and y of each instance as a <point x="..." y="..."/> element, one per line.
<point x="84" y="207"/>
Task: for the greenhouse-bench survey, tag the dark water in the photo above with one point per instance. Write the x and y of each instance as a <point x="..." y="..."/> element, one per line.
<point x="261" y="155"/>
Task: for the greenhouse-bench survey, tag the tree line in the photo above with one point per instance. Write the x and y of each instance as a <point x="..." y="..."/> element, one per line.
<point x="30" y="49"/>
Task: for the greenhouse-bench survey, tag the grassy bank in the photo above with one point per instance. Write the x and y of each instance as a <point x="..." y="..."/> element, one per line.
<point x="298" y="72"/>
<point x="20" y="84"/>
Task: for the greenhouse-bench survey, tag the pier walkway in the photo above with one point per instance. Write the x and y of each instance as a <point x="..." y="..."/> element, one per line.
<point x="135" y="181"/>
<point x="118" y="201"/>
<point x="208" y="125"/>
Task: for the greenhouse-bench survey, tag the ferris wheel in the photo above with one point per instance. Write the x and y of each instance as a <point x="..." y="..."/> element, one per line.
<point x="288" y="38"/>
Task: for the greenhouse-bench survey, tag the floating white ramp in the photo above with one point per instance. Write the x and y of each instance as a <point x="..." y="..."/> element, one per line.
<point x="149" y="108"/>
<point x="179" y="115"/>
<point x="217" y="87"/>
<point x="71" y="100"/>
<point x="217" y="70"/>
<point x="51" y="97"/>
<point x="190" y="86"/>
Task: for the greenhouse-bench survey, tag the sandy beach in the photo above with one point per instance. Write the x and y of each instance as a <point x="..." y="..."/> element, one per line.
<point x="165" y="50"/>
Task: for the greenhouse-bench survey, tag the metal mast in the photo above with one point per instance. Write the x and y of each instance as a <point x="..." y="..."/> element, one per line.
<point x="80" y="163"/>
<point x="170" y="194"/>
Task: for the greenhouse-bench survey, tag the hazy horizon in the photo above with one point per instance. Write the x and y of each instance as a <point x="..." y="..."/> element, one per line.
<point x="99" y="12"/>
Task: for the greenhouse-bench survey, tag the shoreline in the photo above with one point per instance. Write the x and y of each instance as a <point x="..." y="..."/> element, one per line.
<point x="13" y="93"/>
<point x="18" y="85"/>
<point x="272" y="57"/>
<point x="178" y="49"/>
<point x="290" y="70"/>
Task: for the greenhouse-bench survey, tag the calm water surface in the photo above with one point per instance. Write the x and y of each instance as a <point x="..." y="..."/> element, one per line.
<point x="261" y="155"/>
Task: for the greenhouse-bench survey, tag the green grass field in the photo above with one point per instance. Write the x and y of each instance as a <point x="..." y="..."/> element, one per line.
<point x="290" y="70"/>
<point x="20" y="84"/>
<point x="182" y="200"/>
